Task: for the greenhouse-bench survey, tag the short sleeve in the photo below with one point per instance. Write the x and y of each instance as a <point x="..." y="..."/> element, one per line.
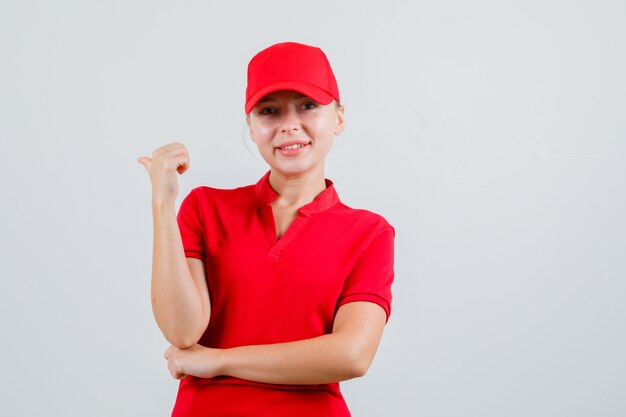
<point x="372" y="275"/>
<point x="191" y="226"/>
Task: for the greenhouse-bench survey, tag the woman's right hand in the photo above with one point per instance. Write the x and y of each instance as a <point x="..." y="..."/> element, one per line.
<point x="165" y="165"/>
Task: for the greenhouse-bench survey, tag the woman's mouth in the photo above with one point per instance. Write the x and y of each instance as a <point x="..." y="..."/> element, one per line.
<point x="292" y="150"/>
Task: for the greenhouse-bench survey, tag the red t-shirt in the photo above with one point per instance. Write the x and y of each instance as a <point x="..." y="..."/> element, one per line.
<point x="265" y="290"/>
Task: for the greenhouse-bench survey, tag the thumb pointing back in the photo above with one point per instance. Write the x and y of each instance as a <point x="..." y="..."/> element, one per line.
<point x="146" y="162"/>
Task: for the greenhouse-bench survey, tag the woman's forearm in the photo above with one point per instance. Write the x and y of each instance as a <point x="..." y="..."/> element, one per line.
<point x="320" y="360"/>
<point x="180" y="310"/>
<point x="345" y="353"/>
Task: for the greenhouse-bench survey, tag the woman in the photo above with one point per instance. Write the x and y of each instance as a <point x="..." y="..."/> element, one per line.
<point x="271" y="293"/>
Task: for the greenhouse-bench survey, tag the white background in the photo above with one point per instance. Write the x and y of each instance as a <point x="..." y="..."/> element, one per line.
<point x="491" y="134"/>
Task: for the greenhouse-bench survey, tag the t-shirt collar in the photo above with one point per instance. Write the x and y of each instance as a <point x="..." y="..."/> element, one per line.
<point x="324" y="200"/>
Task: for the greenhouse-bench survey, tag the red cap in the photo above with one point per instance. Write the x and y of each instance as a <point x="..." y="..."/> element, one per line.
<point x="291" y="66"/>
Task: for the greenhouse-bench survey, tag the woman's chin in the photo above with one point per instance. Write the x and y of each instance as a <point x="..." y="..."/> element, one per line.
<point x="294" y="170"/>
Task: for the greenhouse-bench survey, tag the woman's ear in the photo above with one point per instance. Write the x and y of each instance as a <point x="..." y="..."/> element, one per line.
<point x="340" y="121"/>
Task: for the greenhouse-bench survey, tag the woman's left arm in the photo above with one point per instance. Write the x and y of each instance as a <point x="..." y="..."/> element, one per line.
<point x="345" y="353"/>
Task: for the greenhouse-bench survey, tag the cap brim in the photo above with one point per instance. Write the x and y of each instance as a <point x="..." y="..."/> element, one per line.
<point x="316" y="93"/>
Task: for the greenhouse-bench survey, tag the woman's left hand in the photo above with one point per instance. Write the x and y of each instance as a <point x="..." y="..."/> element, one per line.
<point x="196" y="360"/>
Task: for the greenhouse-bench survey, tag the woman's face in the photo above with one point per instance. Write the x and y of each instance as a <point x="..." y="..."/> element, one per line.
<point x="294" y="133"/>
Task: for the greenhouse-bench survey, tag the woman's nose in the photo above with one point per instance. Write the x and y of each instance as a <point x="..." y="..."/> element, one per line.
<point x="290" y="121"/>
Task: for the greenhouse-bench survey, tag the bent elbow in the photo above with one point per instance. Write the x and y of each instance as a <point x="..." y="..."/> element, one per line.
<point x="359" y="363"/>
<point x="182" y="342"/>
<point x="183" y="338"/>
<point x="360" y="368"/>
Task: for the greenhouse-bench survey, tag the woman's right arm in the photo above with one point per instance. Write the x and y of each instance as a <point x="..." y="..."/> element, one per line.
<point x="180" y="296"/>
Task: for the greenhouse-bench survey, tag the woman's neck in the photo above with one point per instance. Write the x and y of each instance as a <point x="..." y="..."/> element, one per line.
<point x="297" y="191"/>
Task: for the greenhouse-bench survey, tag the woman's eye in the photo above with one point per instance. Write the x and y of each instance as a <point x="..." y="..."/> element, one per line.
<point x="309" y="105"/>
<point x="267" y="110"/>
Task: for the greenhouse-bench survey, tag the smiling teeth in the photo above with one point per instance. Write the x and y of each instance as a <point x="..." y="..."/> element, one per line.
<point x="296" y="146"/>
